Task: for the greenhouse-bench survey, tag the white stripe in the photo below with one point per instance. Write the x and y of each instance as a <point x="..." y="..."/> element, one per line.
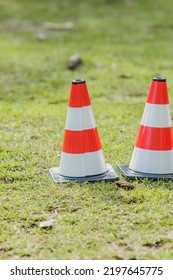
<point x="80" y="118"/>
<point x="156" y="115"/>
<point x="81" y="165"/>
<point x="154" y="162"/>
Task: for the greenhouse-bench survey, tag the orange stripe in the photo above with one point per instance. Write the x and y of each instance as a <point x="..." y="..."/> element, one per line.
<point x="158" y="93"/>
<point x="79" y="96"/>
<point x="79" y="142"/>
<point x="152" y="138"/>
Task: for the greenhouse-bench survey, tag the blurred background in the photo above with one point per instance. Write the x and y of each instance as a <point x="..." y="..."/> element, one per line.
<point x="117" y="46"/>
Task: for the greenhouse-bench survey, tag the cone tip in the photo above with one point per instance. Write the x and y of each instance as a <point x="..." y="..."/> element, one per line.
<point x="78" y="81"/>
<point x="159" y="79"/>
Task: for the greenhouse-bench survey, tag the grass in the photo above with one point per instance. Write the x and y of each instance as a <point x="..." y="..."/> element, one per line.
<point x="123" y="45"/>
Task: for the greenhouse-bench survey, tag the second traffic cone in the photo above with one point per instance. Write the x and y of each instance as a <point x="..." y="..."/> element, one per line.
<point x="153" y="152"/>
<point x="82" y="158"/>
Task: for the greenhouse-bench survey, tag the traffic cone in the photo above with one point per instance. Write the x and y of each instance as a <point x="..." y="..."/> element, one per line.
<point x="152" y="156"/>
<point x="82" y="158"/>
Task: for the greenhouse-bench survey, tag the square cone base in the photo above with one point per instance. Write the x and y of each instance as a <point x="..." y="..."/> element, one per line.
<point x="110" y="175"/>
<point x="128" y="173"/>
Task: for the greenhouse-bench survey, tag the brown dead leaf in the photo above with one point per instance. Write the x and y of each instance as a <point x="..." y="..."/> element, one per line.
<point x="125" y="76"/>
<point x="125" y="185"/>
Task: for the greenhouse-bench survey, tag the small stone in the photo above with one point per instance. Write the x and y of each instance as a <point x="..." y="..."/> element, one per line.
<point x="47" y="224"/>
<point x="41" y="36"/>
<point x="98" y="65"/>
<point x="74" y="61"/>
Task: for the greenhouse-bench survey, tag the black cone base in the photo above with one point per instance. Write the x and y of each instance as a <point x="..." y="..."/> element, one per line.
<point x="128" y="173"/>
<point x="110" y="175"/>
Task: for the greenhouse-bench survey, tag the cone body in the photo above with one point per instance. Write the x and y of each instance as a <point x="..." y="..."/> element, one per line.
<point x="153" y="151"/>
<point x="82" y="154"/>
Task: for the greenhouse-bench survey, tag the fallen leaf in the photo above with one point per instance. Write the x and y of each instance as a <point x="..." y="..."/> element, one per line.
<point x="125" y="76"/>
<point x="125" y="185"/>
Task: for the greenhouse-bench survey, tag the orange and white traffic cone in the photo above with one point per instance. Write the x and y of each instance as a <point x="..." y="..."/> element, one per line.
<point x="82" y="158"/>
<point x="152" y="156"/>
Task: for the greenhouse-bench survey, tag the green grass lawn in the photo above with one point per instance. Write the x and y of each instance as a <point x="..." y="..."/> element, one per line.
<point x="123" y="44"/>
